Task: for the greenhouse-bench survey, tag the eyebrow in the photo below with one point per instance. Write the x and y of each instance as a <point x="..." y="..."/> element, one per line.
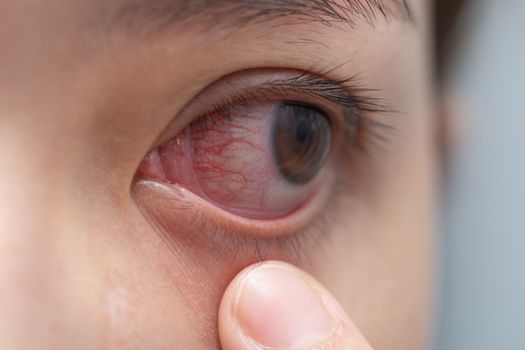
<point x="155" y="15"/>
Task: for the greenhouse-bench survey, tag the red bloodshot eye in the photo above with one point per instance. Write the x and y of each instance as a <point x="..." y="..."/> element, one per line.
<point x="256" y="160"/>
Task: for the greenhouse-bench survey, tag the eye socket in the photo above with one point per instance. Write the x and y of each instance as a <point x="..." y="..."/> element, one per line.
<point x="259" y="160"/>
<point x="266" y="157"/>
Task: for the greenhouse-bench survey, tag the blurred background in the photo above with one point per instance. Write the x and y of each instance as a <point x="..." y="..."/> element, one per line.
<point x="482" y="298"/>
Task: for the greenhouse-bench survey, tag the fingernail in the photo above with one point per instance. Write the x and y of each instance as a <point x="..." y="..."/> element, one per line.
<point x="277" y="308"/>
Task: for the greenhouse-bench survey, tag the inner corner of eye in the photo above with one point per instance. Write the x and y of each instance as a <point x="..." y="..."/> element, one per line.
<point x="261" y="161"/>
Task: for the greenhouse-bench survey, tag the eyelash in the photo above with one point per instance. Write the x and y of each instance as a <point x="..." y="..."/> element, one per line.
<point x="360" y="106"/>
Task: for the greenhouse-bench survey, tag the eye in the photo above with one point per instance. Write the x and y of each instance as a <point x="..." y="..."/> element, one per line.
<point x="259" y="160"/>
<point x="262" y="154"/>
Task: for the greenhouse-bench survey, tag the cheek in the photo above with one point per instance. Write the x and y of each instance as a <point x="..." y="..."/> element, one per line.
<point x="186" y="264"/>
<point x="387" y="276"/>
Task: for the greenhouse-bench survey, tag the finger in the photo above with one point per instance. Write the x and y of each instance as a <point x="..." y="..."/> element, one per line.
<point x="273" y="305"/>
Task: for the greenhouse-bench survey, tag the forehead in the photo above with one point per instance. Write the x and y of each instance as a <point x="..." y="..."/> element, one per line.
<point x="48" y="33"/>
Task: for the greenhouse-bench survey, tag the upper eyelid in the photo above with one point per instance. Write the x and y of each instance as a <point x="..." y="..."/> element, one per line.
<point x="361" y="106"/>
<point x="322" y="88"/>
<point x="347" y="93"/>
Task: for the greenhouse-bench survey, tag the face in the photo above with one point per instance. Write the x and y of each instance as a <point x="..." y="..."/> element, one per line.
<point x="153" y="149"/>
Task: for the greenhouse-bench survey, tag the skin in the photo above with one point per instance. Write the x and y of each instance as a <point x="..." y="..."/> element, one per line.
<point x="82" y="267"/>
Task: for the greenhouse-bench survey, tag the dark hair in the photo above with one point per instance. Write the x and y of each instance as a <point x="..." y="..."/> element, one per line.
<point x="446" y="16"/>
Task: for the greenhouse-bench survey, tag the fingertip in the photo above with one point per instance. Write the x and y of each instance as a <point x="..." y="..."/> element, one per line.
<point x="274" y="305"/>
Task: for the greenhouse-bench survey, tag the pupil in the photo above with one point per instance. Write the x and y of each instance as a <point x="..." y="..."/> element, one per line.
<point x="303" y="130"/>
<point x="301" y="139"/>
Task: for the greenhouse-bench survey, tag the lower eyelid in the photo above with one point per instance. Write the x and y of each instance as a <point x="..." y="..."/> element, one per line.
<point x="177" y="210"/>
<point x="185" y="220"/>
<point x="184" y="223"/>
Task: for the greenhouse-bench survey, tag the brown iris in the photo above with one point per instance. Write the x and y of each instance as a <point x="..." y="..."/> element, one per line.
<point x="302" y="139"/>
